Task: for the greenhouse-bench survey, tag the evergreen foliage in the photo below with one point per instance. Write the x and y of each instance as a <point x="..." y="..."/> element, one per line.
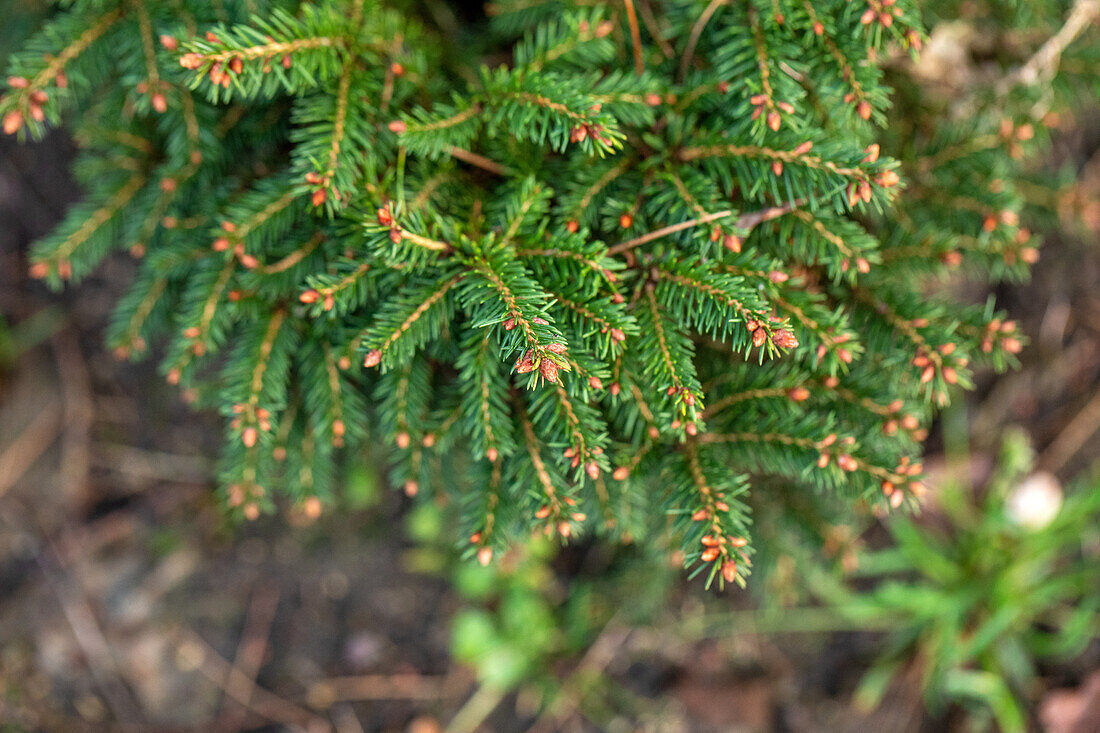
<point x="588" y="267"/>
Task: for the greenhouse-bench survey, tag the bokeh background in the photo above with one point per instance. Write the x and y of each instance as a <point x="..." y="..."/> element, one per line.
<point x="129" y="601"/>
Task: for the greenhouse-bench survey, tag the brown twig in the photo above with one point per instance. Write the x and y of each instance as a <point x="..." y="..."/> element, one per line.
<point x="1072" y="437"/>
<point x="635" y="37"/>
<point x="479" y="160"/>
<point x="599" y="655"/>
<point x="409" y="686"/>
<point x="89" y="637"/>
<point x="76" y="392"/>
<point x="262" y="702"/>
<point x="1045" y="61"/>
<point x="250" y="656"/>
<point x="746" y="221"/>
<point x="696" y="32"/>
<point x="29" y="446"/>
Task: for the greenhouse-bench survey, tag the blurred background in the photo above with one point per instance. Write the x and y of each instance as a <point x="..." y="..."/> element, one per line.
<point x="128" y="601"/>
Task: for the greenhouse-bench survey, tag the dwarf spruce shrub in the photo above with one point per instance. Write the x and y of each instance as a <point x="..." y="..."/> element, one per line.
<point x="581" y="266"/>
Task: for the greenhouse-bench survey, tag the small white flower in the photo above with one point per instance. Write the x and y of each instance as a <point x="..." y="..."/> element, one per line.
<point x="1035" y="502"/>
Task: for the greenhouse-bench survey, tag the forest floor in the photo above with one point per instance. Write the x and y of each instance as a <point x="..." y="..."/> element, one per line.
<point x="128" y="603"/>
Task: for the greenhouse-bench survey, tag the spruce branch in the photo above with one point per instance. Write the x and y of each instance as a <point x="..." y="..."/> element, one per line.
<point x="547" y="276"/>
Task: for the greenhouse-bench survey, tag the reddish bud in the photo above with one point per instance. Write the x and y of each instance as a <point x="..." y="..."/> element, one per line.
<point x="397" y="127"/>
<point x="191" y="60"/>
<point x="625" y="221"/>
<point x="572" y="226"/>
<point x="374" y="356"/>
<point x="248" y="437"/>
<point x="309" y="296"/>
<point x="525" y="364"/>
<point x="888" y="178"/>
<point x="485" y="555"/>
<point x="773" y="121"/>
<point x="799" y="394"/>
<point x="12" y="122"/>
<point x="312" y="507"/>
<point x="595" y="383"/>
<point x="729" y="567"/>
<point x="709" y="554"/>
<point x="549" y="370"/>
